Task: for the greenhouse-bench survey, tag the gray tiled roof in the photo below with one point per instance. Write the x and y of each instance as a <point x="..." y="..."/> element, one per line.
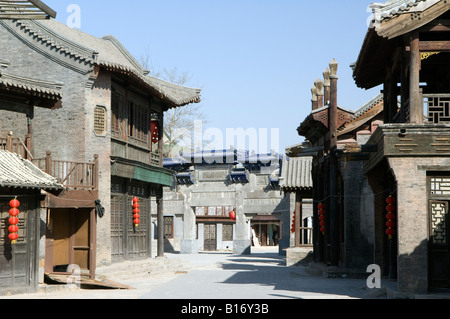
<point x="18" y="172"/>
<point x="38" y="87"/>
<point x="296" y="173"/>
<point x="106" y="52"/>
<point x="393" y="8"/>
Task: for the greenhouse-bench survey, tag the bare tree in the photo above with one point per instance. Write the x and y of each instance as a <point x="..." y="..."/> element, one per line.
<point x="176" y="119"/>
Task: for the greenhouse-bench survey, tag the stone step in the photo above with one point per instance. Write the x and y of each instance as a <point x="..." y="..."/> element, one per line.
<point x="148" y="267"/>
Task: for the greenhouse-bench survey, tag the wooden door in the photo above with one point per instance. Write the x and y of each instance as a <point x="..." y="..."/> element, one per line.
<point x="210" y="237"/>
<point x="439" y="245"/>
<point x="68" y="240"/>
<point x="60" y="222"/>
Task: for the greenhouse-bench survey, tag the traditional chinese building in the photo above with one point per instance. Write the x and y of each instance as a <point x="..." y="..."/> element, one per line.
<point x="104" y="145"/>
<point x="212" y="184"/>
<point x="406" y="51"/>
<point x="22" y="185"/>
<point x="336" y="139"/>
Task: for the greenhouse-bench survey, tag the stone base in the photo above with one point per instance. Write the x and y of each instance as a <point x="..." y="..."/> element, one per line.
<point x="188" y="247"/>
<point x="295" y="255"/>
<point x="282" y="246"/>
<point x="242" y="247"/>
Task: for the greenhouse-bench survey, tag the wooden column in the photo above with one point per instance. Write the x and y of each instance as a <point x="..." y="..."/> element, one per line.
<point x="160" y="219"/>
<point x="415" y="100"/>
<point x="326" y="86"/>
<point x="332" y="110"/>
<point x="320" y="95"/>
<point x="314" y="100"/>
<point x="333" y="123"/>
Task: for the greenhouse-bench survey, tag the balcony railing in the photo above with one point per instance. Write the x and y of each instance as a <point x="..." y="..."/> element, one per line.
<point x="17" y="145"/>
<point x="437" y="108"/>
<point x="73" y="175"/>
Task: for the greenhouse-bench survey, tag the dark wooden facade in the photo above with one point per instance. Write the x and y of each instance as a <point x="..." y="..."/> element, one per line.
<point x="19" y="262"/>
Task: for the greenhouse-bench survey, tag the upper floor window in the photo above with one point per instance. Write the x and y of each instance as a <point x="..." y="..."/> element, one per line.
<point x="100" y="120"/>
<point x="138" y="122"/>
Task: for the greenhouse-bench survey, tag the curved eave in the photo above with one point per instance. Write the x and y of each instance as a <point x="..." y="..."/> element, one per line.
<point x="165" y="91"/>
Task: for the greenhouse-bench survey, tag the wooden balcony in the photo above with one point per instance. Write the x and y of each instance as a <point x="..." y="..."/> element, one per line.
<point x="17" y="145"/>
<point x="73" y="175"/>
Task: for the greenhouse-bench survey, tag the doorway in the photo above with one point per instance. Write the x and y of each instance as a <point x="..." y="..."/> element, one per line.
<point x="69" y="241"/>
<point x="439" y="245"/>
<point x="210" y="238"/>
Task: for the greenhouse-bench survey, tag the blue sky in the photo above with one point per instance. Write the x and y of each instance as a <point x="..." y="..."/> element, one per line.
<point x="255" y="60"/>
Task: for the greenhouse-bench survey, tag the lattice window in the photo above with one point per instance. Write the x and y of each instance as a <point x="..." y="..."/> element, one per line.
<point x="168" y="227"/>
<point x="438" y="108"/>
<point x="100" y="120"/>
<point x="440" y="185"/>
<point x="227" y="232"/>
<point x="439" y="213"/>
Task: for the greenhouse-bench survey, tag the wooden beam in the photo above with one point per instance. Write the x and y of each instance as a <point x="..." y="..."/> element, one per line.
<point x="431" y="46"/>
<point x="50" y="12"/>
<point x="436" y="26"/>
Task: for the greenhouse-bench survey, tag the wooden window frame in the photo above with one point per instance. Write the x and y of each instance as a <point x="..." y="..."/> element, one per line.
<point x="104" y="118"/>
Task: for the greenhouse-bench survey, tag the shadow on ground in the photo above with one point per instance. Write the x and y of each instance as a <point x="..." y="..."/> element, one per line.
<point x="268" y="269"/>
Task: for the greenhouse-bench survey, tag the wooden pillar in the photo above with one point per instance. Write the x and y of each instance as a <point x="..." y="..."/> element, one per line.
<point x="332" y="110"/>
<point x="48" y="163"/>
<point x="415" y="99"/>
<point x="319" y="86"/>
<point x="160" y="219"/>
<point x="161" y="139"/>
<point x="298" y="217"/>
<point x="326" y="86"/>
<point x="9" y="142"/>
<point x="333" y="209"/>
<point x="314" y="100"/>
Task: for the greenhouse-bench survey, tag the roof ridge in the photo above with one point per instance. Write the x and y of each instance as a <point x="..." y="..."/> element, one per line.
<point x="54" y="39"/>
<point x="126" y="53"/>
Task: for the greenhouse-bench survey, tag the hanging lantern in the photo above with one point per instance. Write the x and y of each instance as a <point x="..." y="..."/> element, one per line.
<point x="293" y="223"/>
<point x="232" y="215"/>
<point x="321" y="208"/>
<point x="390" y="216"/>
<point x="155" y="132"/>
<point x="14" y="220"/>
<point x="136" y="212"/>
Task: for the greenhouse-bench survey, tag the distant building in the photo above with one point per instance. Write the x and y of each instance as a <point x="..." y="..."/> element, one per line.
<point x="209" y="186"/>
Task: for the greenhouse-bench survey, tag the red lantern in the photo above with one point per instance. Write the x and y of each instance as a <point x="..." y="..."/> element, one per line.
<point x="390" y="208"/>
<point x="390" y="224"/>
<point x="14" y="220"/>
<point x="13" y="229"/>
<point x="321" y="208"/>
<point x="136" y="212"/>
<point x="14" y="203"/>
<point x="232" y="215"/>
<point x="13" y="237"/>
<point x="293" y="222"/>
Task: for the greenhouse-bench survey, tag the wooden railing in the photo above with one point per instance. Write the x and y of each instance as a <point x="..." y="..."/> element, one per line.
<point x="437" y="107"/>
<point x="73" y="175"/>
<point x="17" y="145"/>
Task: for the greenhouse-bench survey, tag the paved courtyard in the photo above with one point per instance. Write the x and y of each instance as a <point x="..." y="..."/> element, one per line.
<point x="261" y="275"/>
